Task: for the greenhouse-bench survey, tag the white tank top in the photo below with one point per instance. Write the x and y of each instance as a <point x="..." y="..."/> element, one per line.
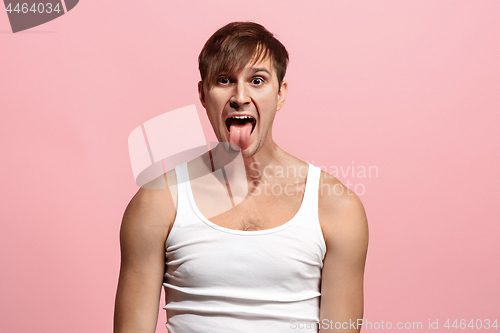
<point x="224" y="280"/>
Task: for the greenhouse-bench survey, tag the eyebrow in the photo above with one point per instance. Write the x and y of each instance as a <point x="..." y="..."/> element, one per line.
<point x="260" y="69"/>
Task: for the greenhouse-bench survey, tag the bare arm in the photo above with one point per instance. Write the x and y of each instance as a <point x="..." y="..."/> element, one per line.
<point x="345" y="228"/>
<point x="143" y="233"/>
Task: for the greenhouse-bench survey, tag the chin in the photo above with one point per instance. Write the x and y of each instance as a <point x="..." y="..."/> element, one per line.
<point x="249" y="152"/>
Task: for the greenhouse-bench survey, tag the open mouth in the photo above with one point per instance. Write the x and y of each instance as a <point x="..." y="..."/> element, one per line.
<point x="241" y="121"/>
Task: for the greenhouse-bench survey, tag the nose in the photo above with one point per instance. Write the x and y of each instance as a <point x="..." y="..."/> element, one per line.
<point x="240" y="96"/>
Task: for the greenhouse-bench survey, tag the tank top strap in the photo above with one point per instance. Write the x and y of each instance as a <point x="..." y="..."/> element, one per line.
<point x="312" y="187"/>
<point x="182" y="176"/>
<point x="311" y="203"/>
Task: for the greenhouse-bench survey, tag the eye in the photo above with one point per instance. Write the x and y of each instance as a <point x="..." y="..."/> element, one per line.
<point x="257" y="81"/>
<point x="223" y="80"/>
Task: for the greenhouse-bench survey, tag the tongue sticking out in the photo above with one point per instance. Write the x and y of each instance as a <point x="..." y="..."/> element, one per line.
<point x="240" y="134"/>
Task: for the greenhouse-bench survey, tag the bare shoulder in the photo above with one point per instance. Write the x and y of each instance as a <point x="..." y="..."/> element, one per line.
<point x="341" y="213"/>
<point x="150" y="213"/>
<point x="144" y="230"/>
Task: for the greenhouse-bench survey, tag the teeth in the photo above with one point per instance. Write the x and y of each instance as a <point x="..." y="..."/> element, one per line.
<point x="242" y="117"/>
<point x="251" y="119"/>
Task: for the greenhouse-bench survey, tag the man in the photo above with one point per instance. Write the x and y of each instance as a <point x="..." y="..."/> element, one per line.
<point x="289" y="257"/>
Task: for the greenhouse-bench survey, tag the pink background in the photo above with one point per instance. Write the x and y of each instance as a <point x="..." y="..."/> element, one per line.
<point x="411" y="87"/>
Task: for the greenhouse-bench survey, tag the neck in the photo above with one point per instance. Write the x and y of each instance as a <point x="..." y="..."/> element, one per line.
<point x="256" y="166"/>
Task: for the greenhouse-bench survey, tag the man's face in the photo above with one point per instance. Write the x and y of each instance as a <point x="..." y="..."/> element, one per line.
<point x="241" y="107"/>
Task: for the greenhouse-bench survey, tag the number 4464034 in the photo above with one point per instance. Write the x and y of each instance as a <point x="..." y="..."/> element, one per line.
<point x="477" y="324"/>
<point x="35" y="8"/>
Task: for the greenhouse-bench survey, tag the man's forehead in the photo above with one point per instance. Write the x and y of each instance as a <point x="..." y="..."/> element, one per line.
<point x="255" y="66"/>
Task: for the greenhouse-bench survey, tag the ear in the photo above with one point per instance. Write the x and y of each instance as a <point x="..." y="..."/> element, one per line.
<point x="282" y="95"/>
<point x="201" y="93"/>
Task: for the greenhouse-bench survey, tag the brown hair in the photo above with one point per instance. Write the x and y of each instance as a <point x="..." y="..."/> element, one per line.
<point x="231" y="47"/>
